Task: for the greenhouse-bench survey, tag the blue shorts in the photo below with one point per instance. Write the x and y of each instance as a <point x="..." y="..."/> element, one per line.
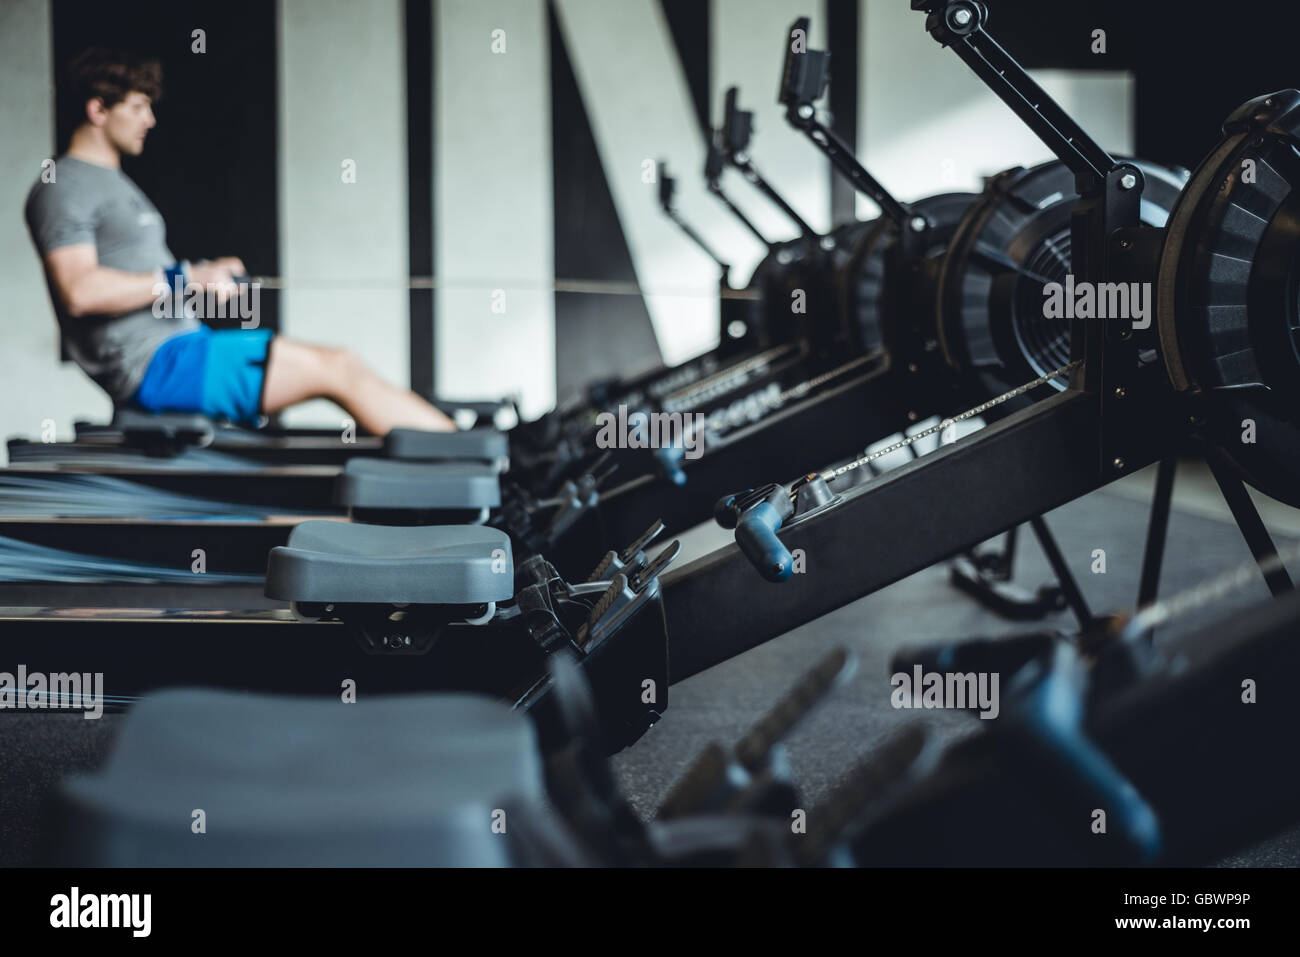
<point x="218" y="373"/>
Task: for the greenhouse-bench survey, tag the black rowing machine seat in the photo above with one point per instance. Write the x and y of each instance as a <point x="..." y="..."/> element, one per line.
<point x="384" y="484"/>
<point x="475" y="445"/>
<point x="171" y="430"/>
<point x="351" y="563"/>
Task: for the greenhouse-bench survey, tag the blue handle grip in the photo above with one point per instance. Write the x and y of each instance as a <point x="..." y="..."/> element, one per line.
<point x="1053" y="713"/>
<point x="669" y="459"/>
<point x="756" y="536"/>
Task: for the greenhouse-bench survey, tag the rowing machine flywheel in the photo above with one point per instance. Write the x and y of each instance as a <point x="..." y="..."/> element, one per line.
<point x="1014" y="241"/>
<point x="1228" y="297"/>
<point x="869" y="323"/>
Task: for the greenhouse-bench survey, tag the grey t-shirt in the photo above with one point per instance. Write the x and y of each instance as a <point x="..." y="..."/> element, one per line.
<point x="98" y="205"/>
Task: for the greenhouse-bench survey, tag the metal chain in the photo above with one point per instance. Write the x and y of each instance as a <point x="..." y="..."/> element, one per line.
<point x="795" y="391"/>
<point x="960" y="417"/>
<point x="803" y="388"/>
<point x="685" y="393"/>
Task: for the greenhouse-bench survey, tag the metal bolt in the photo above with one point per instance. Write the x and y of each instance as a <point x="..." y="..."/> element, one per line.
<point x="912" y="417"/>
<point x="1118" y="463"/>
<point x="1120" y="392"/>
<point x="1125" y="335"/>
<point x="742" y="157"/>
<point x="1268" y="102"/>
<point x="961" y="16"/>
<point x="918" y="224"/>
<point x="784" y="257"/>
<point x="828" y="243"/>
<point x="736" y="329"/>
<point x="911" y="367"/>
<point x="1128" y="181"/>
<point x="805" y="112"/>
<point x="1124" y="244"/>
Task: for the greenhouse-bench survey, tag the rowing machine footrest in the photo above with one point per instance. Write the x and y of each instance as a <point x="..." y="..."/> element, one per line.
<point x="346" y="563"/>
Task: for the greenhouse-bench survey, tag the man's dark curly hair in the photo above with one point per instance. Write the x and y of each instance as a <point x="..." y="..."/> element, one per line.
<point x="110" y="75"/>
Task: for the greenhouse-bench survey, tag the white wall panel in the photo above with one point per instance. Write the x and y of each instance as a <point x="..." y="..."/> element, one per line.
<point x="35" y="385"/>
<point x="493" y="208"/>
<point x="927" y="124"/>
<point x="344" y="245"/>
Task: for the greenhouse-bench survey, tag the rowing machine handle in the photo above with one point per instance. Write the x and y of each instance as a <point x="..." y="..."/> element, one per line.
<point x="1052" y="713"/>
<point x="726" y="511"/>
<point x="669" y="460"/>
<point x="757" y="538"/>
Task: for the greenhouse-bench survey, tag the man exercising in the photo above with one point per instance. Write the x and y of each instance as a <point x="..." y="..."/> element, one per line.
<point x="103" y="245"/>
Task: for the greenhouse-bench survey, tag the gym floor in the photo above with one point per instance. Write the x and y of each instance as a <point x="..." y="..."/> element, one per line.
<point x="720" y="704"/>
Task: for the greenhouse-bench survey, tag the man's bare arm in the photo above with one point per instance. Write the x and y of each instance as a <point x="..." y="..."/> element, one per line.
<point x="86" y="288"/>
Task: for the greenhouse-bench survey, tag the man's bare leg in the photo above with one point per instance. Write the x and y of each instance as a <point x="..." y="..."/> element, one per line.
<point x="296" y="372"/>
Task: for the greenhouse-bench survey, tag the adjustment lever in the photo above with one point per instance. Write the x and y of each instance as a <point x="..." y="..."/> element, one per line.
<point x="728" y="509"/>
<point x="668" y="460"/>
<point x="575" y="497"/>
<point x="632" y="555"/>
<point x="623" y="597"/>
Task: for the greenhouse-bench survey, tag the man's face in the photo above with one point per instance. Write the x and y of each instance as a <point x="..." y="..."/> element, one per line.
<point x="127" y="123"/>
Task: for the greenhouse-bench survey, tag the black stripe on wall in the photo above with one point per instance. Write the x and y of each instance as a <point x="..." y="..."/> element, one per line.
<point x="842" y="44"/>
<point x="688" y="23"/>
<point x="419" y="181"/>
<point x="597" y="336"/>
<point x="210" y="163"/>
